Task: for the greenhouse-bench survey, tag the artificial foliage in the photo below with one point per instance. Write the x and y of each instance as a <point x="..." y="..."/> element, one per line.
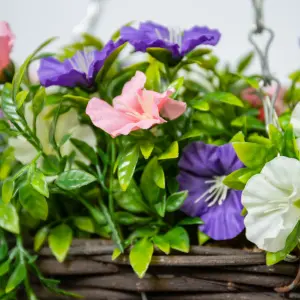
<point x="162" y="153"/>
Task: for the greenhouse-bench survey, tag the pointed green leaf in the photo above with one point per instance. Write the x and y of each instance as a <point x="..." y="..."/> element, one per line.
<point x="60" y="240"/>
<point x="33" y="202"/>
<point x="238" y="137"/>
<point x="202" y="237"/>
<point x="86" y="150"/>
<point x="153" y="77"/>
<point x="146" y="148"/>
<point x="163" y="55"/>
<point x="161" y="243"/>
<point x="7" y="190"/>
<point x="176" y="200"/>
<point x="9" y="219"/>
<point x="194" y="132"/>
<point x="160" y="207"/>
<point x="191" y="221"/>
<point x="178" y="239"/>
<point x="245" y="62"/>
<point x="39" y="183"/>
<point x="38" y="101"/>
<point x="4" y="267"/>
<point x="74" y="179"/>
<point x="200" y="105"/>
<point x="16" y="277"/>
<point x="171" y="152"/>
<point x="85" y="224"/>
<point x="176" y="85"/>
<point x="224" y="97"/>
<point x="21" y="98"/>
<point x="128" y="160"/>
<point x="116" y="254"/>
<point x="40" y="238"/>
<point x="140" y="256"/>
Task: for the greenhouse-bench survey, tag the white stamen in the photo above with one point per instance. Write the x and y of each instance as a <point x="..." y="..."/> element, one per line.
<point x="82" y="60"/>
<point x="216" y="193"/>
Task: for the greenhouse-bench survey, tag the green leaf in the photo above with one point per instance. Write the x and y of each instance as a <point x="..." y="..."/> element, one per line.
<point x="108" y="63"/>
<point x="152" y="181"/>
<point x="178" y="239"/>
<point x="21" y="98"/>
<point x="60" y="240"/>
<point x="258" y="139"/>
<point x="276" y="137"/>
<point x="128" y="160"/>
<point x="239" y="137"/>
<point x="224" y="97"/>
<point x="254" y="155"/>
<point x="126" y="218"/>
<point x="21" y="72"/>
<point x="85" y="150"/>
<point x="116" y="254"/>
<point x="191" y="221"/>
<point x="4" y="126"/>
<point x="39" y="183"/>
<point x="38" y="101"/>
<point x="85" y="224"/>
<point x="4" y="267"/>
<point x="153" y="77"/>
<point x="8" y="190"/>
<point x="74" y="179"/>
<point x="198" y="53"/>
<point x="201" y="105"/>
<point x="161" y="243"/>
<point x="290" y="245"/>
<point x="245" y="62"/>
<point x="143" y="232"/>
<point x="202" y="237"/>
<point x="210" y="123"/>
<point x="16" y="277"/>
<point x="171" y="152"/>
<point x="290" y="148"/>
<point x="160" y="206"/>
<point x="140" y="256"/>
<point x="51" y="165"/>
<point x="77" y="99"/>
<point x="248" y="122"/>
<point x="146" y="148"/>
<point x="40" y="238"/>
<point x="34" y="203"/>
<point x="175" y="201"/>
<point x="9" y="219"/>
<point x="131" y="199"/>
<point x="194" y="132"/>
<point x="163" y="55"/>
<point x="238" y="179"/>
<point x="176" y="85"/>
<point x="3" y="246"/>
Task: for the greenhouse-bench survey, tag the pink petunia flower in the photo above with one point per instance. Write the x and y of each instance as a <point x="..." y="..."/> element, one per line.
<point x="6" y="43"/>
<point x="136" y="108"/>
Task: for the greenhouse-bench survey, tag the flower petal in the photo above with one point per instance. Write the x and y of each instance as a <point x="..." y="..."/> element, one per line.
<point x="198" y="36"/>
<point x="172" y="109"/>
<point x="6" y="42"/>
<point x="53" y="72"/>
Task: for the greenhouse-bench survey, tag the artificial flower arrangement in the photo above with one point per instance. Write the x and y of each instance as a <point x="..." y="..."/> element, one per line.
<point x="163" y="153"/>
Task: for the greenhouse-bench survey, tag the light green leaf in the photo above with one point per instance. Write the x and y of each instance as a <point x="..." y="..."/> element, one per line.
<point x="116" y="254"/>
<point x="176" y="85"/>
<point x="245" y="62"/>
<point x="276" y="137"/>
<point x="40" y="238"/>
<point x="34" y="203"/>
<point x="60" y="240"/>
<point x="4" y="267"/>
<point x="239" y="137"/>
<point x="175" y="201"/>
<point x="248" y="122"/>
<point x="238" y="179"/>
<point x="290" y="148"/>
<point x="146" y="148"/>
<point x="161" y="243"/>
<point x="178" y="239"/>
<point x="202" y="238"/>
<point x="224" y="97"/>
<point x="290" y="245"/>
<point x="9" y="219"/>
<point x="200" y="105"/>
<point x="39" y="183"/>
<point x="194" y="132"/>
<point x="140" y="256"/>
<point x="21" y="98"/>
<point x="16" y="277"/>
<point x="160" y="207"/>
<point x="38" y="101"/>
<point x="7" y="190"/>
<point x="128" y="160"/>
<point x="153" y="77"/>
<point x="74" y="179"/>
<point x="254" y="155"/>
<point x="85" y="224"/>
<point x="171" y="152"/>
<point x="191" y="221"/>
<point x="77" y="99"/>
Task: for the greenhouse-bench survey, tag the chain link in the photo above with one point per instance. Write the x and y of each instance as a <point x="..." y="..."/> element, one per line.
<point x="263" y="55"/>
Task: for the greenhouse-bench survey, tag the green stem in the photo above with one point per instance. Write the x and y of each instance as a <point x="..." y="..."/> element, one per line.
<point x="111" y="178"/>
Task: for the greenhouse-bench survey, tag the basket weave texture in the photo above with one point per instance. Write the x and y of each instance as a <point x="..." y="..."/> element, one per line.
<point x="205" y="273"/>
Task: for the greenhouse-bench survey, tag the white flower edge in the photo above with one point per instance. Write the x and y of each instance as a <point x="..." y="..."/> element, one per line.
<point x="269" y="198"/>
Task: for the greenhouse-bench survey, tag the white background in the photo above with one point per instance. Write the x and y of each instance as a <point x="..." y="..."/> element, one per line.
<point x="33" y="21"/>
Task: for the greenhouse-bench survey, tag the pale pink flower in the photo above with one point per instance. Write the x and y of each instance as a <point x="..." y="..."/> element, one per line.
<point x="136" y="108"/>
<point x="6" y="43"/>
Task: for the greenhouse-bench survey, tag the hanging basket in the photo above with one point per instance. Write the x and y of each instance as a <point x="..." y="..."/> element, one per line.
<point x="204" y="273"/>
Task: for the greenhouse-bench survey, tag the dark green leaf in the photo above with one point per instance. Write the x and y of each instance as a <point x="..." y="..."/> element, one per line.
<point x="4" y="267"/>
<point x="74" y="179"/>
<point x="9" y="219"/>
<point x="60" y="240"/>
<point x="191" y="221"/>
<point x="8" y="190"/>
<point x="175" y="201"/>
<point x="160" y="206"/>
<point x="86" y="150"/>
<point x="193" y="133"/>
<point x="126" y="218"/>
<point x="245" y="62"/>
<point x="140" y="256"/>
<point x="178" y="239"/>
<point x="163" y="55"/>
<point x="16" y="277"/>
<point x="128" y="160"/>
<point x="51" y="165"/>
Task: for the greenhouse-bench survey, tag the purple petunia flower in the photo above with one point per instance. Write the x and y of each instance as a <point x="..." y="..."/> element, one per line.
<point x="202" y="170"/>
<point x="80" y="70"/>
<point x="179" y="43"/>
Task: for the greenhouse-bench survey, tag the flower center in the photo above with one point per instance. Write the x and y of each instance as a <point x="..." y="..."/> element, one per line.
<point x="82" y="60"/>
<point x="175" y="36"/>
<point x="216" y="193"/>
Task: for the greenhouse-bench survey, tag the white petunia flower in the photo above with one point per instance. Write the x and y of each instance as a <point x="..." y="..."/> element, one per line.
<point x="295" y="121"/>
<point x="67" y="123"/>
<point x="272" y="202"/>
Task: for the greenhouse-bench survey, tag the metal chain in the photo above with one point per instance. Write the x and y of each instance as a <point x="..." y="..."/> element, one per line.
<point x="263" y="54"/>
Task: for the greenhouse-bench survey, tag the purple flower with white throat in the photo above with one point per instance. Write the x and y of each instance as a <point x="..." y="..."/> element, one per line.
<point x="176" y="41"/>
<point x="203" y="168"/>
<point x="80" y="70"/>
